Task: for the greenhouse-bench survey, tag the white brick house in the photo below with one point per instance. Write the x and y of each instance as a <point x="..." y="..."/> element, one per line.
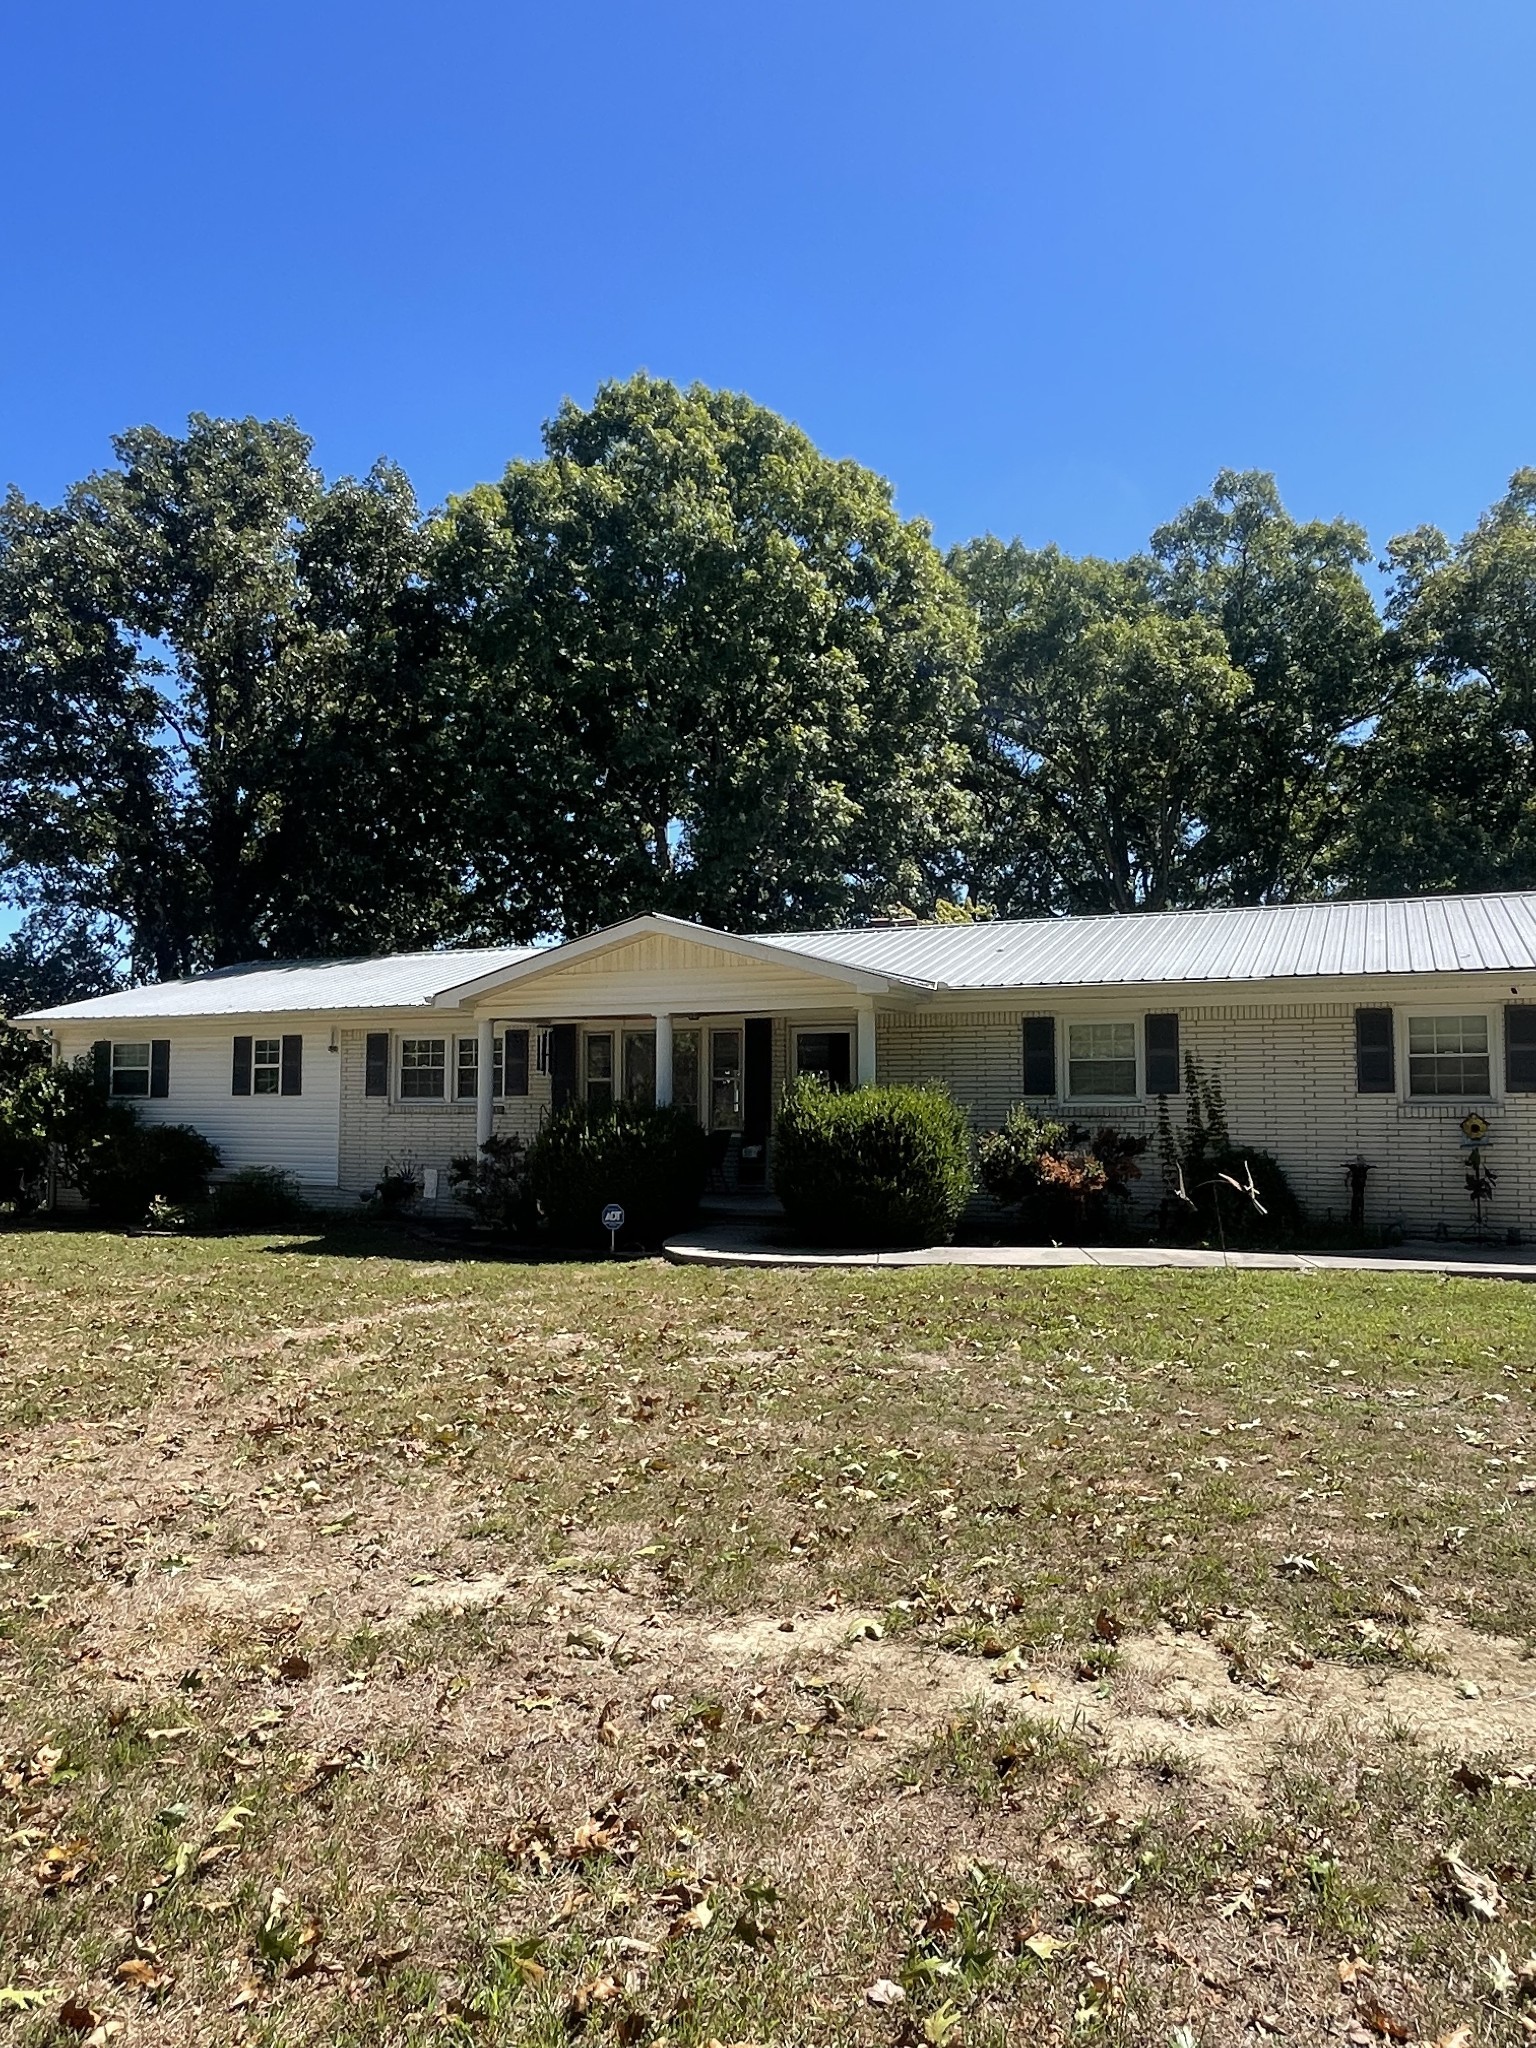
<point x="1336" y="1030"/>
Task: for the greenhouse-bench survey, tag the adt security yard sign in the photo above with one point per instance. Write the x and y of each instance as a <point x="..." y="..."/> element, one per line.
<point x="613" y="1223"/>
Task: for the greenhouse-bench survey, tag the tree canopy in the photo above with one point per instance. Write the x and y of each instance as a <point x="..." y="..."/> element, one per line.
<point x="684" y="661"/>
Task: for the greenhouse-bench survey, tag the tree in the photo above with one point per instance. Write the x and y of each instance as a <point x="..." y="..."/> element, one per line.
<point x="217" y="724"/>
<point x="1102" y="721"/>
<point x="55" y="958"/>
<point x="1297" y="619"/>
<point x="1444" y="794"/>
<point x="708" y="671"/>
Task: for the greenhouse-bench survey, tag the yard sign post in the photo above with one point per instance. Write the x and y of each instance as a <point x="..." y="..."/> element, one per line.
<point x="613" y="1223"/>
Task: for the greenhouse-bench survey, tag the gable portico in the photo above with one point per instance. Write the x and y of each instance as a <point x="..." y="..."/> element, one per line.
<point x="667" y="1012"/>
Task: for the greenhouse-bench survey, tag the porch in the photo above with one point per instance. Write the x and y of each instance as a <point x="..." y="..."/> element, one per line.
<point x="728" y="1069"/>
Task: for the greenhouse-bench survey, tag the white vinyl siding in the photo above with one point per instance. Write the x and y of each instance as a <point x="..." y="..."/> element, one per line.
<point x="298" y="1133"/>
<point x="1448" y="1056"/>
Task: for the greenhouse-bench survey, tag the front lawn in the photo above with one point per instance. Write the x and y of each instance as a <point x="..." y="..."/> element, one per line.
<point x="401" y="1649"/>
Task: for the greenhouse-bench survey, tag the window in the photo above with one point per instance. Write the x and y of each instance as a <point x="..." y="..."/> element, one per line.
<point x="827" y="1054"/>
<point x="725" y="1080"/>
<point x="599" y="1066"/>
<point x="685" y="1070"/>
<point x="266" y="1066"/>
<point x="1448" y="1056"/>
<point x="423" y="1069"/>
<point x="640" y="1066"/>
<point x="130" y="1067"/>
<point x="1101" y="1059"/>
<point x="468" y="1081"/>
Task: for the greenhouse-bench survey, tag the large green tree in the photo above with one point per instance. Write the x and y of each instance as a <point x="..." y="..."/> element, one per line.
<point x="1100" y="724"/>
<point x="1297" y="618"/>
<point x="1444" y="790"/>
<point x="708" y="671"/>
<point x="218" y="725"/>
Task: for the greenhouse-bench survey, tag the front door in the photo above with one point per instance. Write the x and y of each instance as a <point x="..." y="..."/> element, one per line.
<point x="828" y="1054"/>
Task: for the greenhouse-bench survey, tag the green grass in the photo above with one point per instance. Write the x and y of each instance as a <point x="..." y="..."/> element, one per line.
<point x="399" y="1637"/>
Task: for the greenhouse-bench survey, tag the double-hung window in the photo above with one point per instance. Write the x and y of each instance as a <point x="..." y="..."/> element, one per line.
<point x="130" y="1067"/>
<point x="599" y="1075"/>
<point x="1448" y="1056"/>
<point x="1101" y="1060"/>
<point x="467" y="1080"/>
<point x="423" y="1069"/>
<point x="266" y="1066"/>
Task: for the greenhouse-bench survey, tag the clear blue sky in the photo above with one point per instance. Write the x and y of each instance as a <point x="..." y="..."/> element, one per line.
<point x="1047" y="266"/>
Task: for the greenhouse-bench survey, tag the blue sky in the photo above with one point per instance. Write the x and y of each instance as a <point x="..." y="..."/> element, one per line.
<point x="1046" y="266"/>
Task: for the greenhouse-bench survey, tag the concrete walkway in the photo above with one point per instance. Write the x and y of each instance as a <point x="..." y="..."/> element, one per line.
<point x="755" y="1242"/>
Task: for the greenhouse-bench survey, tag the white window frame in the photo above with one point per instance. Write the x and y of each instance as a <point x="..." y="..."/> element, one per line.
<point x="439" y="1067"/>
<point x="272" y="1066"/>
<point x="117" y="1067"/>
<point x="1067" y="1025"/>
<point x="1405" y="1021"/>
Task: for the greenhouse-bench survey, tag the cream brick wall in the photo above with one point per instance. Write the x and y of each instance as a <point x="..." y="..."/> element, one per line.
<point x="1287" y="1071"/>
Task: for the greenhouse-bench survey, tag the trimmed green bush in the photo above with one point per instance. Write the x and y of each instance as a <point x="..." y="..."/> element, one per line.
<point x="492" y="1185"/>
<point x="1240" y="1221"/>
<point x="130" y="1164"/>
<point x="652" y="1161"/>
<point x="877" y="1166"/>
<point x="256" y="1198"/>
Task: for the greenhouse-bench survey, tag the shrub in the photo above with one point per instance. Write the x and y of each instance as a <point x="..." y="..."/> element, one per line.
<point x="395" y="1190"/>
<point x="1209" y="1167"/>
<point x="41" y="1105"/>
<point x="1062" y="1178"/>
<point x="256" y="1198"/>
<point x="879" y="1166"/>
<point x="652" y="1161"/>
<point x="492" y="1185"/>
<point x="124" y="1168"/>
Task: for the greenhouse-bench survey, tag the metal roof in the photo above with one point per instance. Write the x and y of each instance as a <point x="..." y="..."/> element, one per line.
<point x="270" y="988"/>
<point x="1277" y="942"/>
<point x="1493" y="933"/>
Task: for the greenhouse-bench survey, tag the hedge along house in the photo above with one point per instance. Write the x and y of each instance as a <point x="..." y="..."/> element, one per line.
<point x="1336" y="1031"/>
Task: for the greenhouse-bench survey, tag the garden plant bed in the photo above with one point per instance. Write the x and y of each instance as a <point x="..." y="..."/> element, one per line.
<point x="399" y="1648"/>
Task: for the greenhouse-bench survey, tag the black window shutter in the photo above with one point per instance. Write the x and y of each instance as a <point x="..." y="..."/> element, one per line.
<point x="562" y="1064"/>
<point x="159" y="1066"/>
<point x="514" y="1064"/>
<point x="240" y="1068"/>
<point x="1520" y="1048"/>
<point x="1039" y="1055"/>
<point x="101" y="1064"/>
<point x="376" y="1064"/>
<point x="292" y="1082"/>
<point x="1163" y="1054"/>
<point x="1375" y="1060"/>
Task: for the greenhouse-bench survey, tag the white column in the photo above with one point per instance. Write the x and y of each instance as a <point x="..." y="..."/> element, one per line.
<point x="485" y="1081"/>
<point x="865" y="1064"/>
<point x="663" y="1061"/>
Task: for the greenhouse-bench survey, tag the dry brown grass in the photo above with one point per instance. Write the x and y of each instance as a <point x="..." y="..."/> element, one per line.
<point x="398" y="1649"/>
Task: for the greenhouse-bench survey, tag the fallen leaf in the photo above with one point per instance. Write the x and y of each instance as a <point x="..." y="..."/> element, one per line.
<point x="143" y="1975"/>
<point x="1043" y="1945"/>
<point x="694" y="1921"/>
<point x="884" y="1992"/>
<point x="61" y="1864"/>
<point x="1473" y="1891"/>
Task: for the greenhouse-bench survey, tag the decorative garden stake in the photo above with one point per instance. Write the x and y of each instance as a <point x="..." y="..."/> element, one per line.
<point x="1475" y="1133"/>
<point x="1356" y="1173"/>
<point x="1244" y="1187"/>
